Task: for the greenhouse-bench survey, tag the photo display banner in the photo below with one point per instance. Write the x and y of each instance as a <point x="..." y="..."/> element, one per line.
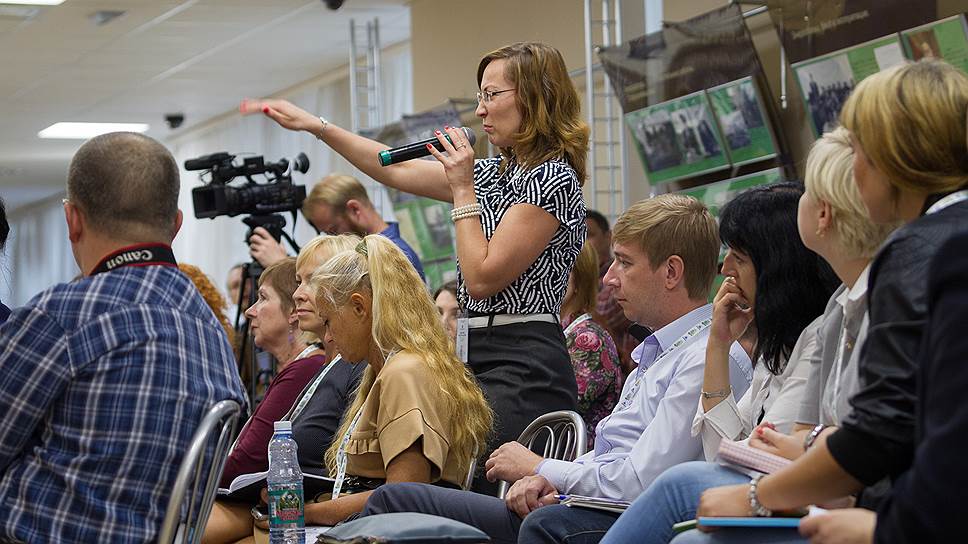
<point x="683" y="58"/>
<point x="815" y="28"/>
<point x="703" y="132"/>
<point x="743" y="121"/>
<point x="826" y="82"/>
<point x="678" y="139"/>
<point x="946" y="39"/>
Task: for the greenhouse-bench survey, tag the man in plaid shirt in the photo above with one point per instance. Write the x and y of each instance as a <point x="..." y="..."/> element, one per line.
<point x="105" y="379"/>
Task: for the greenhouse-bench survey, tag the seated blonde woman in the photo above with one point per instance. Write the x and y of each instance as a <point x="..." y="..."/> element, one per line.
<point x="312" y="392"/>
<point x="418" y="415"/>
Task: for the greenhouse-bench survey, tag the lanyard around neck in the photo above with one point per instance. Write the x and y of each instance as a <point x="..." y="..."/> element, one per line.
<point x="137" y="255"/>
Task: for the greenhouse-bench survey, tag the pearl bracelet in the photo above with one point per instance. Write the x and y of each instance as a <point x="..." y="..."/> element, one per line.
<point x="461" y="212"/>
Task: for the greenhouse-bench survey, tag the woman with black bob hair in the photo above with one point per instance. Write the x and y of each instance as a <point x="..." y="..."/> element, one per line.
<point x="775" y="289"/>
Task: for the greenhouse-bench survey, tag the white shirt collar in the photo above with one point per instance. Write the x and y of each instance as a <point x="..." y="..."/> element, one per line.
<point x="674" y="331"/>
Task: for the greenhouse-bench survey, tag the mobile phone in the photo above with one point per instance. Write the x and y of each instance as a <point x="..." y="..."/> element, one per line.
<point x="260" y="512"/>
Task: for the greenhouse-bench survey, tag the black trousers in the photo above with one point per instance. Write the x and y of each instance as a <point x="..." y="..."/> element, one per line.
<point x="525" y="371"/>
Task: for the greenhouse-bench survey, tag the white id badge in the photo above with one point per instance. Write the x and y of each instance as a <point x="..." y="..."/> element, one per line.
<point x="462" y="336"/>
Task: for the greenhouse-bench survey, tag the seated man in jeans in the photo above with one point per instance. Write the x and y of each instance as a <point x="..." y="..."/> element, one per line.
<point x="106" y="378"/>
<point x="666" y="249"/>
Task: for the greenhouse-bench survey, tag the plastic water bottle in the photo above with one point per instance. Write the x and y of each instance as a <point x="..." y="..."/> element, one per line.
<point x="286" y="522"/>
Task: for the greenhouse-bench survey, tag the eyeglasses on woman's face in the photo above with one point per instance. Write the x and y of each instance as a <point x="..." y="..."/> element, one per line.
<point x="487" y="96"/>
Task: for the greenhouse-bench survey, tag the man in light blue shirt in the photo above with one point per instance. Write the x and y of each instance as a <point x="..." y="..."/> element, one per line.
<point x="666" y="249"/>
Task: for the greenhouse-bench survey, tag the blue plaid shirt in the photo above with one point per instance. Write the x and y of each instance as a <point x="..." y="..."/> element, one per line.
<point x="102" y="384"/>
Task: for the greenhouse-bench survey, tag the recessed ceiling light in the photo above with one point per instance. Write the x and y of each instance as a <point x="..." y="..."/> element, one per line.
<point x="33" y="2"/>
<point x="83" y="131"/>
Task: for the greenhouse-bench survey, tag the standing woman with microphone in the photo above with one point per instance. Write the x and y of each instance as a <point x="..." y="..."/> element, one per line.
<point x="519" y="218"/>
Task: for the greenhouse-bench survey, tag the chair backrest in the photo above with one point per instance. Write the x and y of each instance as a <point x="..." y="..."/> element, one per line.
<point x="564" y="438"/>
<point x="194" y="490"/>
<point x="471" y="469"/>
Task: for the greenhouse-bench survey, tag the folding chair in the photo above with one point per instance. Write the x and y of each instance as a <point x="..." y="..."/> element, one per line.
<point x="194" y="490"/>
<point x="565" y="438"/>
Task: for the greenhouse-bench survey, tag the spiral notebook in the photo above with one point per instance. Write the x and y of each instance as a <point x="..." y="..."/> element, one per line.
<point x="747" y="457"/>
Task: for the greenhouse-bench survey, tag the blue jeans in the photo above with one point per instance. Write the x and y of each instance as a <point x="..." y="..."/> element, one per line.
<point x="672" y="497"/>
<point x="562" y="524"/>
<point x="736" y="535"/>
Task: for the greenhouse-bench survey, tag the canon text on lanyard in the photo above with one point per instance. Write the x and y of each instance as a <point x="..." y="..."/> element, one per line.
<point x="138" y="255"/>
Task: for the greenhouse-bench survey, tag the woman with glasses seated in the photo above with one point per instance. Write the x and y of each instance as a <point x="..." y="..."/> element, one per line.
<point x="519" y="218"/>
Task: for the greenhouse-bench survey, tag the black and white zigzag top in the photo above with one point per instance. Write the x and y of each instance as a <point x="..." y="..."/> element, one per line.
<point x="554" y="187"/>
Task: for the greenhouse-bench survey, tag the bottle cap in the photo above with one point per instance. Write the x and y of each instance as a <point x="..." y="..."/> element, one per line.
<point x="282" y="426"/>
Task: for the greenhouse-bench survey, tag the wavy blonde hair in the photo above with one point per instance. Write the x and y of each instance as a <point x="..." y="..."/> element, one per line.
<point x="911" y="121"/>
<point x="829" y="177"/>
<point x="404" y="319"/>
<point x="323" y="247"/>
<point x="551" y="123"/>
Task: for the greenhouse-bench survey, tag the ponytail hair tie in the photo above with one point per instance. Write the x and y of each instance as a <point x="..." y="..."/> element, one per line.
<point x="361" y="248"/>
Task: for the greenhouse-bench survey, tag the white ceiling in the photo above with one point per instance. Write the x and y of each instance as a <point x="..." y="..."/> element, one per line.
<point x="197" y="57"/>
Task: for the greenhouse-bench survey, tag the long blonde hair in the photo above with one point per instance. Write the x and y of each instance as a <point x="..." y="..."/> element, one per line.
<point x="551" y="123"/>
<point x="404" y="319"/>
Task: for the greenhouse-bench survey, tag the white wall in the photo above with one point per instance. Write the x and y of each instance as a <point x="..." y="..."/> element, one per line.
<point x="38" y="253"/>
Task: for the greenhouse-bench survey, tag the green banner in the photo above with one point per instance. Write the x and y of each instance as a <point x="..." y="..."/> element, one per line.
<point x="946" y="39"/>
<point x="677" y="139"/>
<point x="826" y="82"/>
<point x="716" y="195"/>
<point x="742" y="120"/>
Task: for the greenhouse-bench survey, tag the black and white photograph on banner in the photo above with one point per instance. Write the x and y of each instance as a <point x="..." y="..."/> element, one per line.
<point x="678" y="138"/>
<point x="695" y="134"/>
<point x="747" y="116"/>
<point x="826" y="84"/>
<point x="657" y="136"/>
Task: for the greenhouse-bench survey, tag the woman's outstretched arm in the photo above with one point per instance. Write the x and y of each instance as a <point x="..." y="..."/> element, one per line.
<point x="423" y="178"/>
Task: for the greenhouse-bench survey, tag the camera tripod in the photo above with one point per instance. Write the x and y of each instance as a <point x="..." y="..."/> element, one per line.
<point x="251" y="271"/>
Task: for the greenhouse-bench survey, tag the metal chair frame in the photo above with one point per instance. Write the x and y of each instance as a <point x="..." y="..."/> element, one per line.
<point x="566" y="438"/>
<point x="220" y="420"/>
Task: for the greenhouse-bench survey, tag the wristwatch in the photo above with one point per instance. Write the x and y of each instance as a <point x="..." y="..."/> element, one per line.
<point x="812" y="437"/>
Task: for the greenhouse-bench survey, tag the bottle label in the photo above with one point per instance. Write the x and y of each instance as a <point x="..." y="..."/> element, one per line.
<point x="286" y="506"/>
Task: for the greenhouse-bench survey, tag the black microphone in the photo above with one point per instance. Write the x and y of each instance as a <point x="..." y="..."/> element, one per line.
<point x="418" y="149"/>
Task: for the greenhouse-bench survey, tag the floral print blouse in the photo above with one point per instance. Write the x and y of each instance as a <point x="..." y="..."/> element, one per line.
<point x="597" y="370"/>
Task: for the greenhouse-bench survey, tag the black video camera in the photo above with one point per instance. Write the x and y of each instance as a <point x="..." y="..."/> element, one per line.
<point x="277" y="194"/>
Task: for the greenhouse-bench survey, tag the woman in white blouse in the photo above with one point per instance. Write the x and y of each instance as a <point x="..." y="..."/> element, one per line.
<point x="774" y="291"/>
